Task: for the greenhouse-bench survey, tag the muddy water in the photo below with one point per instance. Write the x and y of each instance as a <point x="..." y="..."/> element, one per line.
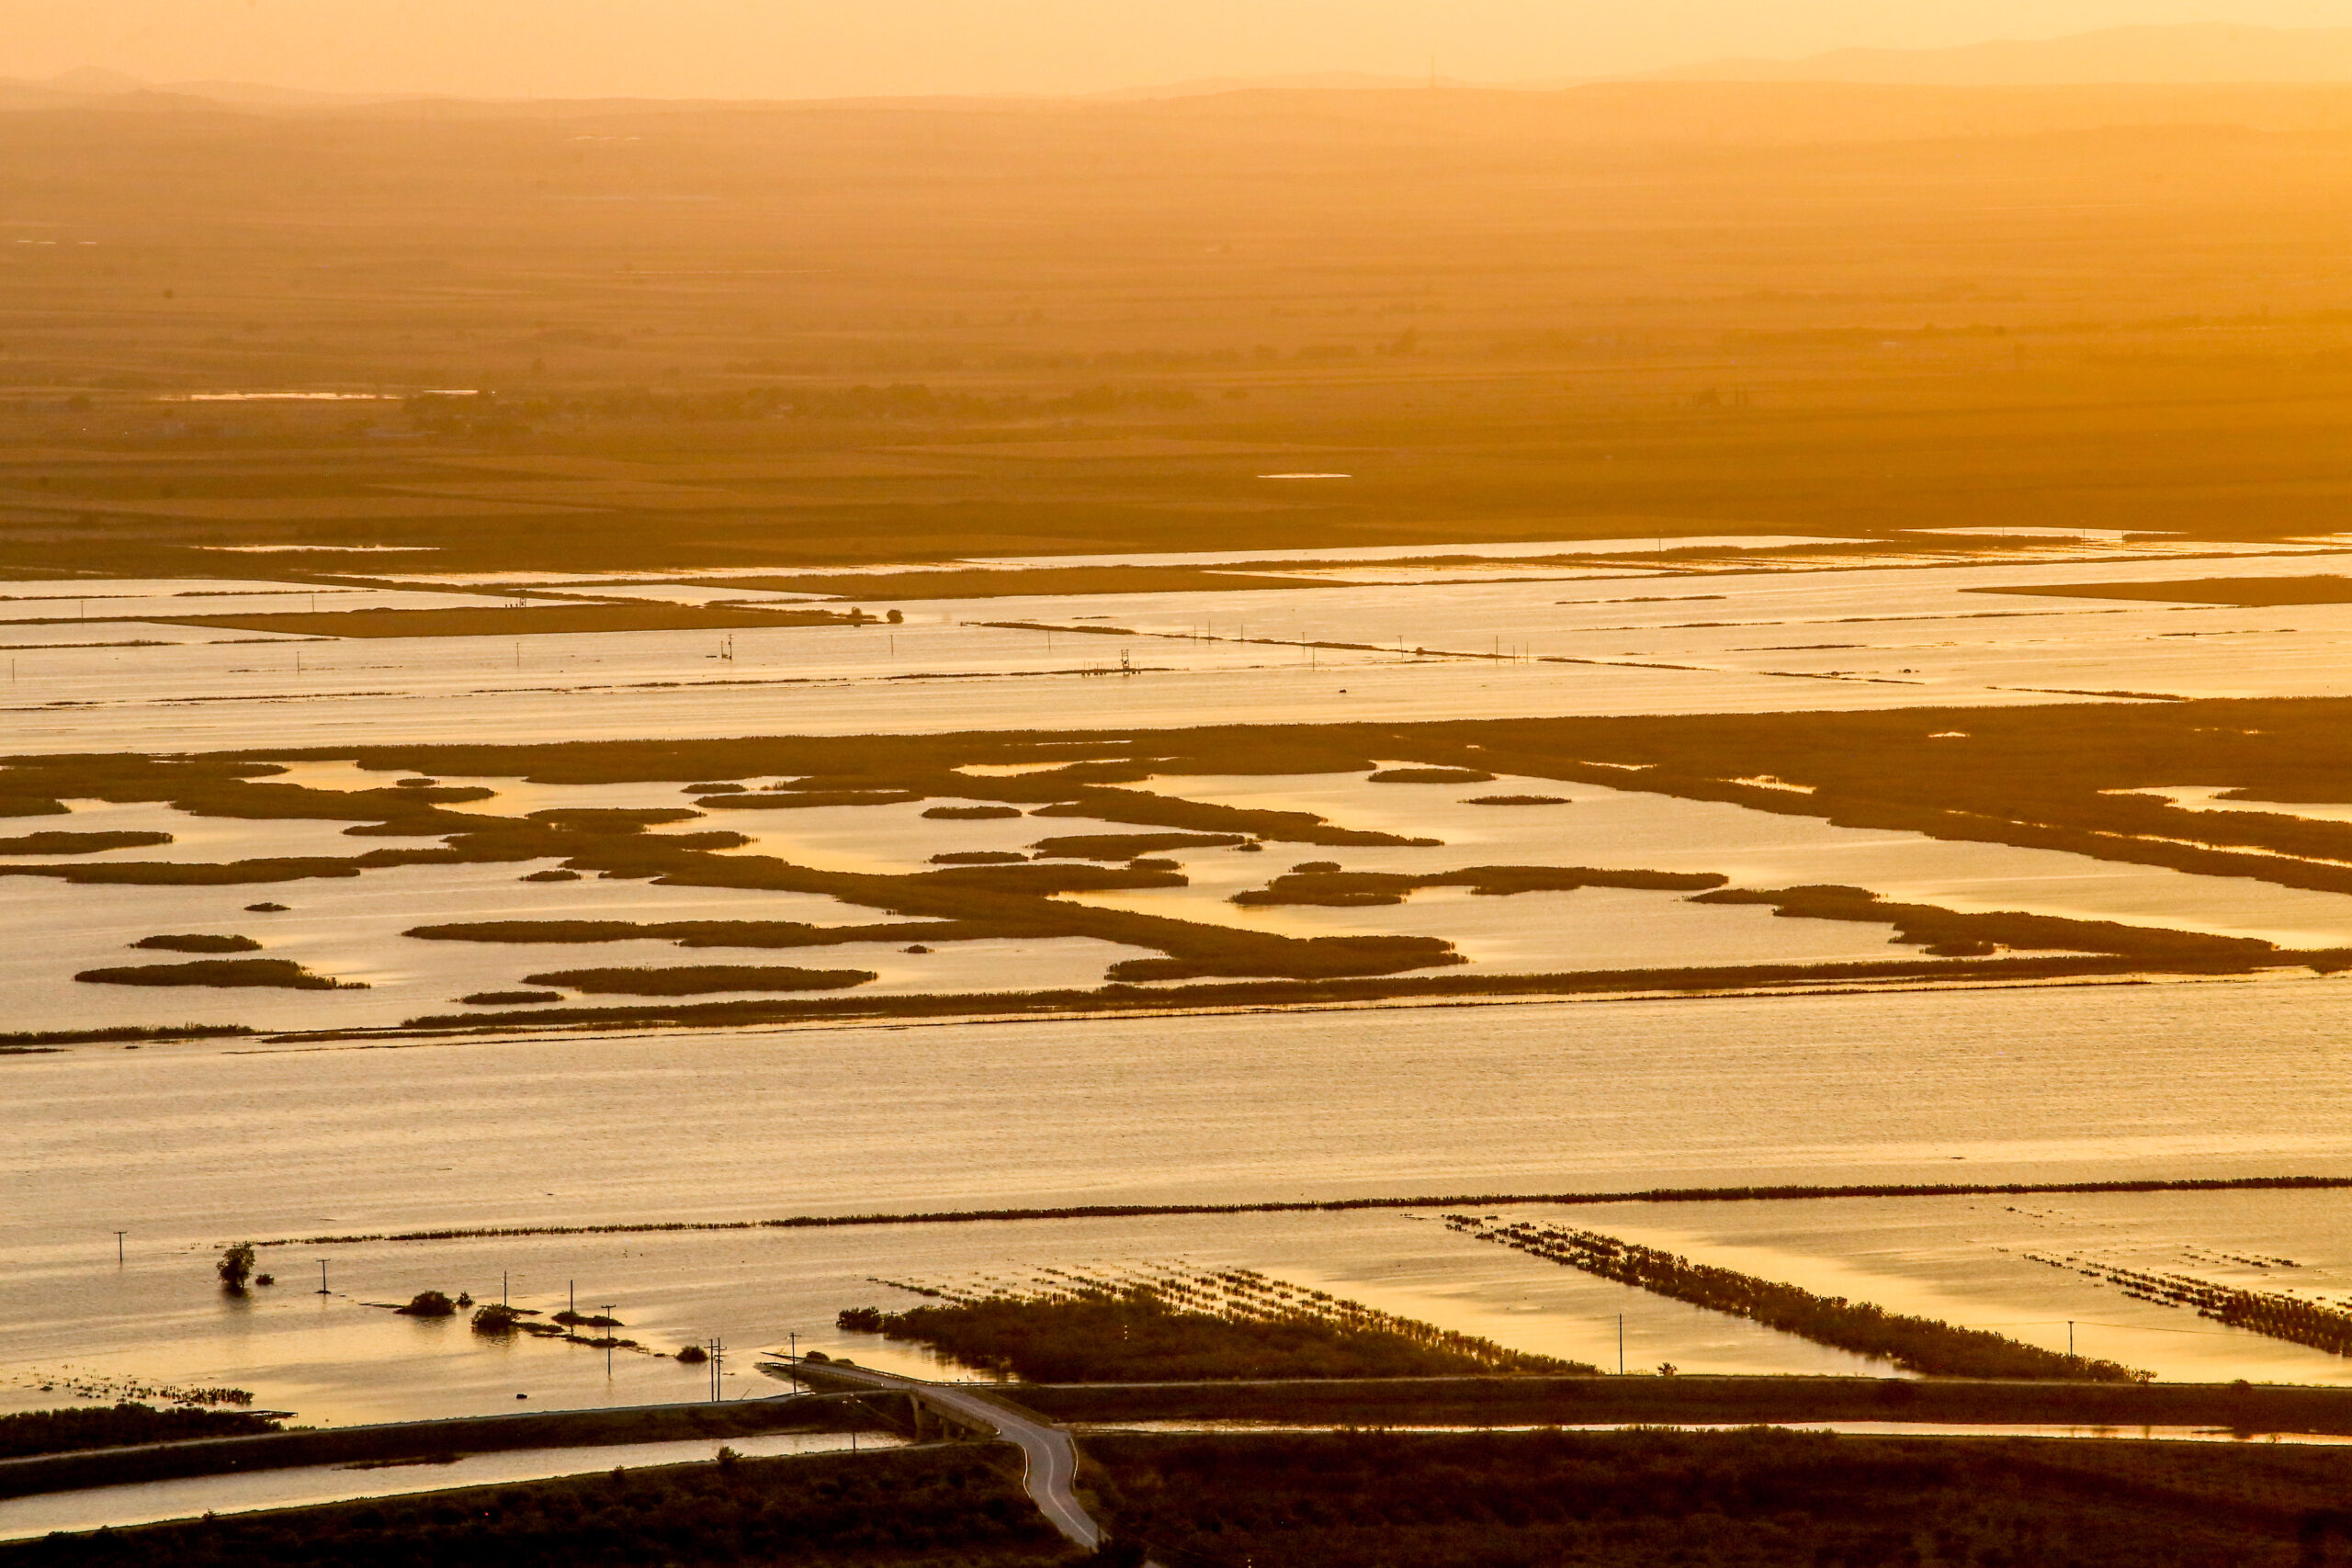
<point x="192" y="1146"/>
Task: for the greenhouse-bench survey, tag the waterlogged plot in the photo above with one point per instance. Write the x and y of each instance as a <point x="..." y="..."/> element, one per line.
<point x="2140" y="1278"/>
<point x="2217" y="797"/>
<point x="1092" y="862"/>
<point x="114" y="601"/>
<point x="171" y="836"/>
<point x="1961" y="1260"/>
<point x="1541" y="1099"/>
<point x="338" y="1358"/>
<point x="894" y="836"/>
<point x="1159" y="1322"/>
<point x="1602" y="825"/>
<point x="1740" y="641"/>
<point x="351" y="929"/>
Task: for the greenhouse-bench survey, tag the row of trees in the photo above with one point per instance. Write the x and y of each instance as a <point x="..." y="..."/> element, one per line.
<point x="2271" y="1313"/>
<point x="1140" y="1333"/>
<point x="1916" y="1344"/>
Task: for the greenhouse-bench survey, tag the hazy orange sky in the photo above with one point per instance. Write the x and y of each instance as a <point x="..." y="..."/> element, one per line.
<point x="823" y="48"/>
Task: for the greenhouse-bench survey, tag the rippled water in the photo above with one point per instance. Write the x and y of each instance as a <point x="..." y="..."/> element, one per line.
<point x="1769" y="641"/>
<point x="192" y="1146"/>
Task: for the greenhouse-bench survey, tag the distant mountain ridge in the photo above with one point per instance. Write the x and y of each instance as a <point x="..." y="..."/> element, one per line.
<point x="92" y="86"/>
<point x="2185" y="53"/>
<point x="1205" y="86"/>
<point x="2215" y="54"/>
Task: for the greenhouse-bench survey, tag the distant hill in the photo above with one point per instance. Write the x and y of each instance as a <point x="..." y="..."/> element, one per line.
<point x="2188" y="52"/>
<point x="1205" y="86"/>
<point x="89" y="86"/>
<point x="2200" y="73"/>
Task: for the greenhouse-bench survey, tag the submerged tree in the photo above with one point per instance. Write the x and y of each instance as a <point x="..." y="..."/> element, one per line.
<point x="236" y="1267"/>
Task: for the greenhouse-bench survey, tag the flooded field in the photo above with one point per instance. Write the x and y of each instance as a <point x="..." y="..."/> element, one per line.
<point x="2083" y="1083"/>
<point x="1750" y="635"/>
<point x="714" y="715"/>
<point x="403" y="919"/>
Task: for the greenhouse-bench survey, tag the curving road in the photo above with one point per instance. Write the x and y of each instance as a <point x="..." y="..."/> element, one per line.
<point x="1049" y="1459"/>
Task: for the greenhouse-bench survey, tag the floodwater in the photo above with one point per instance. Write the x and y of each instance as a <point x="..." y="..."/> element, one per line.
<point x="2088" y="1082"/>
<point x="192" y="1496"/>
<point x="1672" y="638"/>
<point x="350" y="929"/>
<point x="191" y="1147"/>
<point x="1631" y="829"/>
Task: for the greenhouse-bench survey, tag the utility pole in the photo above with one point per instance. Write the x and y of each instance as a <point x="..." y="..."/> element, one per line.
<point x="118" y="1248"/>
<point x="1621" y="1344"/>
<point x="2070" y="1338"/>
<point x="607" y="1311"/>
<point x="323" y="1278"/>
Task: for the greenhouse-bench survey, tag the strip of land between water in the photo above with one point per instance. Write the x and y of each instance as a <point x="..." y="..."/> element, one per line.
<point x="1793" y="1192"/>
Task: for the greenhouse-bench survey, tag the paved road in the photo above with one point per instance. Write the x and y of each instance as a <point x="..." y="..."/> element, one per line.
<point x="1049" y="1468"/>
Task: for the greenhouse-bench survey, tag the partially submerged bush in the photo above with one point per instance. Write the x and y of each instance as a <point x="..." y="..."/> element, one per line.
<point x="428" y="1303"/>
<point x="496" y="1319"/>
